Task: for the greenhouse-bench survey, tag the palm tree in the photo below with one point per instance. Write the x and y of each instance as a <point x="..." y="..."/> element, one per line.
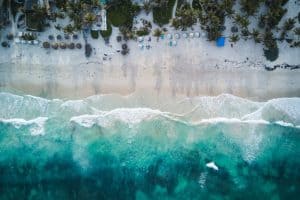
<point x="297" y="31"/>
<point x="89" y="18"/>
<point x="69" y="29"/>
<point x="289" y="24"/>
<point x="157" y="33"/>
<point x="242" y="21"/>
<point x="256" y="36"/>
<point x="234" y="38"/>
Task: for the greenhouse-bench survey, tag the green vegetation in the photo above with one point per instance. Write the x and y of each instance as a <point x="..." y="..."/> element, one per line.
<point x="95" y="34"/>
<point x="185" y="17"/>
<point x="250" y="6"/>
<point x="108" y="32"/>
<point x="121" y="13"/>
<point x="162" y="11"/>
<point x="143" y="31"/>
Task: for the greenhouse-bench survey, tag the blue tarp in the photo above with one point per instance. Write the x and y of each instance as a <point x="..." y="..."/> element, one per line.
<point x="220" y="41"/>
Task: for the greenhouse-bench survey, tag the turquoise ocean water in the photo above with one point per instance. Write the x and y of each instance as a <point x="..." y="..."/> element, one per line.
<point x="113" y="147"/>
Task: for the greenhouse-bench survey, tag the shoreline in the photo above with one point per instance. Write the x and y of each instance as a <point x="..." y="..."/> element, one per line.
<point x="169" y="80"/>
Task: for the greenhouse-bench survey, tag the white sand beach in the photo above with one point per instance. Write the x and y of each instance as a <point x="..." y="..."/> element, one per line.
<point x="191" y="68"/>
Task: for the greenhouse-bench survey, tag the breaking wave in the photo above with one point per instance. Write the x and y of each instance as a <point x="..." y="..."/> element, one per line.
<point x="116" y="147"/>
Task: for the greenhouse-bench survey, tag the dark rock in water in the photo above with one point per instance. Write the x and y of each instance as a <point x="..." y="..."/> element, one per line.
<point x="88" y="50"/>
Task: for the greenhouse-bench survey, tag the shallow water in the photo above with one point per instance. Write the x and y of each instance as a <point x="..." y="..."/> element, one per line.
<point x="109" y="147"/>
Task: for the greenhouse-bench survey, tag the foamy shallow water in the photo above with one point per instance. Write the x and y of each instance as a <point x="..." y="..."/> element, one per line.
<point x="109" y="147"/>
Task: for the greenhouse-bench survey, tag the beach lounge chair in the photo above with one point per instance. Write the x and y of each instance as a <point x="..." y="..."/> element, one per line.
<point x="17" y="41"/>
<point x="174" y="43"/>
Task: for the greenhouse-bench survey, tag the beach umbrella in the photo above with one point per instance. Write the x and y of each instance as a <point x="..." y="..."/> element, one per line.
<point x="63" y="45"/>
<point x="50" y="37"/>
<point x="177" y="36"/>
<point x="54" y="46"/>
<point x="185" y="35"/>
<point x="75" y="36"/>
<point x="78" y="46"/>
<point x="58" y="37"/>
<point x="88" y="50"/>
<point x="124" y="46"/>
<point x="203" y="34"/>
<point x="46" y="45"/>
<point x="67" y="36"/>
<point x="20" y="34"/>
<point x="191" y="35"/>
<point x="169" y="36"/>
<point x="10" y="36"/>
<point x="124" y="52"/>
<point x="119" y="38"/>
<point x="197" y="34"/>
<point x="71" y="46"/>
<point x="4" y="44"/>
<point x="234" y="29"/>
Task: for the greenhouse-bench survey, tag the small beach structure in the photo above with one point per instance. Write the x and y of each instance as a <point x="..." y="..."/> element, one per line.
<point x="140" y="39"/>
<point x="141" y="46"/>
<point x="220" y="42"/>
